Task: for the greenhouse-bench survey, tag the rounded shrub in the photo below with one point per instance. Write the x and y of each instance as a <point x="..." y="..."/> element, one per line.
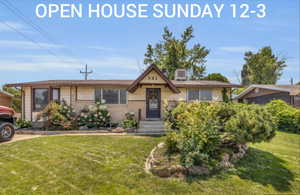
<point x="287" y="116"/>
<point x="204" y="131"/>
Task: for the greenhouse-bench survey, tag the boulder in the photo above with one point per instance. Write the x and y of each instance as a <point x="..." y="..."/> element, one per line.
<point x="198" y="170"/>
<point x="161" y="172"/>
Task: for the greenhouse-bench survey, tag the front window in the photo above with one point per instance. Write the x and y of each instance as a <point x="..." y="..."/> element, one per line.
<point x="199" y="94"/>
<point x="205" y="94"/>
<point x="193" y="94"/>
<point x="40" y="98"/>
<point x="111" y="96"/>
<point x="55" y="94"/>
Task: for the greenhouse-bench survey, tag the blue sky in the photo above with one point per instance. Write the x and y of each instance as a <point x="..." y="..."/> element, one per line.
<point x="114" y="48"/>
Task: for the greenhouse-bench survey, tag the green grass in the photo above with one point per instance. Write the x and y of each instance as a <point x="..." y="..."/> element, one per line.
<point x="115" y="165"/>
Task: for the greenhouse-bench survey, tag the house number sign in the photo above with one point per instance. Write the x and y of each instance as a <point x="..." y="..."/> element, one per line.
<point x="153" y="78"/>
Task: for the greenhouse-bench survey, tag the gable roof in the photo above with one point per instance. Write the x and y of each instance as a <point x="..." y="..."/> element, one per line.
<point x="151" y="68"/>
<point x="291" y="89"/>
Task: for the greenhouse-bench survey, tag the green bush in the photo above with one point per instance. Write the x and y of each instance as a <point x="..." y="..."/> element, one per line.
<point x="130" y="121"/>
<point x="252" y="124"/>
<point x="95" y="116"/>
<point x="288" y="117"/>
<point x="23" y="124"/>
<point x="59" y="116"/>
<point x="203" y="131"/>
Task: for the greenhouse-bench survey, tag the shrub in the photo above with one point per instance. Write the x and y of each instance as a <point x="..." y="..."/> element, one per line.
<point x="95" y="116"/>
<point x="23" y="123"/>
<point x="58" y="116"/>
<point x="288" y="117"/>
<point x="252" y="124"/>
<point x="206" y="130"/>
<point x="130" y="121"/>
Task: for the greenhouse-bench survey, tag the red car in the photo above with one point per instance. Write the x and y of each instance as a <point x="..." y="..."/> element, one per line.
<point x="7" y="119"/>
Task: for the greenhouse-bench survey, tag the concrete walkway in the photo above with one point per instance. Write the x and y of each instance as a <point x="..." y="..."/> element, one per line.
<point x="20" y="137"/>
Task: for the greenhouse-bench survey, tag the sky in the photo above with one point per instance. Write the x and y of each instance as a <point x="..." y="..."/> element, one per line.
<point x="114" y="48"/>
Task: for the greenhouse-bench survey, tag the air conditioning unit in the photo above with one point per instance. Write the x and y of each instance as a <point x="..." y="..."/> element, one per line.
<point x="180" y="75"/>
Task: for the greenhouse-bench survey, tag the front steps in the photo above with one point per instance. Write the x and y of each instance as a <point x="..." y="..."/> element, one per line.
<point x="151" y="127"/>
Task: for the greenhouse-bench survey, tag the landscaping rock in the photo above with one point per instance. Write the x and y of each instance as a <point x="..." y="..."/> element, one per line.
<point x="198" y="170"/>
<point x="118" y="130"/>
<point x="162" y="172"/>
<point x="131" y="130"/>
<point x="83" y="128"/>
<point x="38" y="124"/>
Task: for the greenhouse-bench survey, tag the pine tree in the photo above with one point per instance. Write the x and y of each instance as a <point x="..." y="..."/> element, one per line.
<point x="172" y="53"/>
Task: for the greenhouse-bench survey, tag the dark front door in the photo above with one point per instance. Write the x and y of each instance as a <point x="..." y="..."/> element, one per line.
<point x="153" y="103"/>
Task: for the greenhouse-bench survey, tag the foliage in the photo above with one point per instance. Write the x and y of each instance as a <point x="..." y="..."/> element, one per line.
<point x="262" y="67"/>
<point x="130" y="121"/>
<point x="225" y="95"/>
<point x="206" y="130"/>
<point x="96" y="116"/>
<point x="23" y="123"/>
<point x="252" y="124"/>
<point x="17" y="99"/>
<point x="216" y="77"/>
<point x="237" y="91"/>
<point x="59" y="116"/>
<point x="117" y="162"/>
<point x="171" y="54"/>
<point x="288" y="117"/>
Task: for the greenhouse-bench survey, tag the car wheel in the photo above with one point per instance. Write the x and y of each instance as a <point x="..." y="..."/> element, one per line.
<point x="7" y="131"/>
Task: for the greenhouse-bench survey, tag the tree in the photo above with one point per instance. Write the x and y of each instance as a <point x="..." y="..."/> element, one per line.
<point x="16" y="104"/>
<point x="216" y="77"/>
<point x="262" y="67"/>
<point x="171" y="54"/>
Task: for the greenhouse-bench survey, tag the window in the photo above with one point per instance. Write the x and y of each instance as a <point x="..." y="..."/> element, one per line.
<point x="98" y="94"/>
<point x="123" y="96"/>
<point x="205" y="94"/>
<point x="199" y="94"/>
<point x="193" y="94"/>
<point x="55" y="94"/>
<point x="111" y="96"/>
<point x="40" y="98"/>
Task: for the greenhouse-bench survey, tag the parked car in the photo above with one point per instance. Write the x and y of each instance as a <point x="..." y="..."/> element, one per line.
<point x="7" y="130"/>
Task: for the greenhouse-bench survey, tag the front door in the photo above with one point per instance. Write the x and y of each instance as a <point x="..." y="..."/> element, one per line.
<point x="153" y="103"/>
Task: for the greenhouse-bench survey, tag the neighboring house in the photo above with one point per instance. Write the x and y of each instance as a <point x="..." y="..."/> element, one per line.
<point x="262" y="94"/>
<point x="144" y="96"/>
<point x="5" y="99"/>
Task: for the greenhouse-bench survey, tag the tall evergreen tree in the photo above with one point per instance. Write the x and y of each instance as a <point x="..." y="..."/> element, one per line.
<point x="262" y="67"/>
<point x="172" y="53"/>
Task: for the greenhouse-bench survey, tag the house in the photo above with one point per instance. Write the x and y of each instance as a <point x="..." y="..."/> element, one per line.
<point x="262" y="94"/>
<point x="143" y="96"/>
<point x="5" y="99"/>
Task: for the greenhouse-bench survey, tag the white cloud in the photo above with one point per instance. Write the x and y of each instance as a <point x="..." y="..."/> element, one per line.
<point x="38" y="63"/>
<point x="27" y="45"/>
<point x="237" y="49"/>
<point x="4" y="27"/>
<point x="101" y="48"/>
<point x="8" y="26"/>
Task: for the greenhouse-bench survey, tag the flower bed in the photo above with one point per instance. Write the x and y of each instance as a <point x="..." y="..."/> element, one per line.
<point x="206" y="137"/>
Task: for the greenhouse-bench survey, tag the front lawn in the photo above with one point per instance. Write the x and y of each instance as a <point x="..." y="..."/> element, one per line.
<point x="115" y="165"/>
